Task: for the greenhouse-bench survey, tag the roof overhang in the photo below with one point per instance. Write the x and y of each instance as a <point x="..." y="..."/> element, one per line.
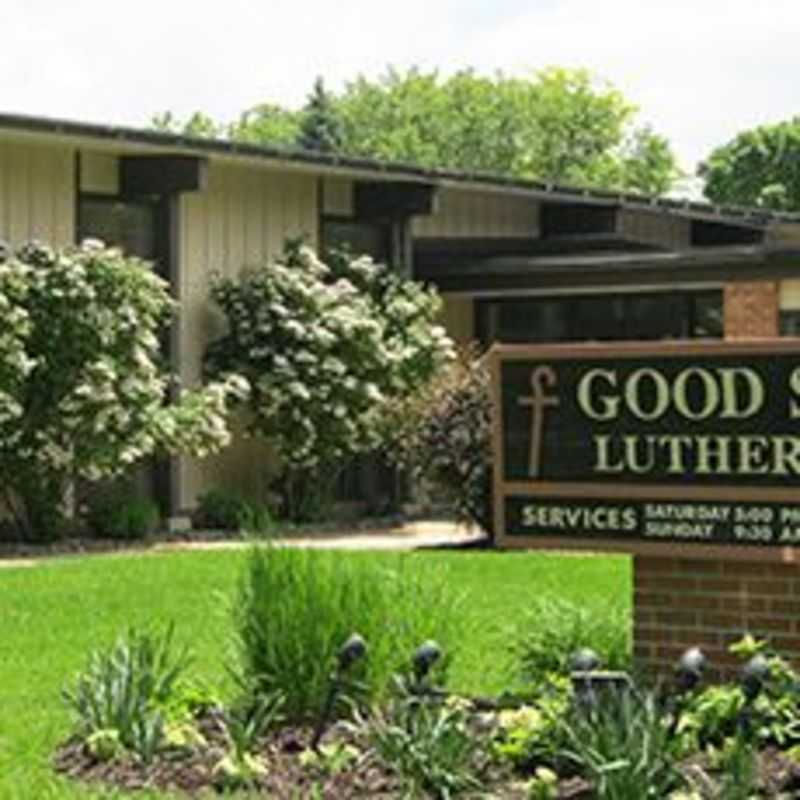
<point x="128" y="140"/>
<point x="515" y="273"/>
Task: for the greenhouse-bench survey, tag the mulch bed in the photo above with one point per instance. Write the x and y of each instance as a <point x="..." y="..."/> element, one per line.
<point x="192" y="772"/>
<point x="287" y="778"/>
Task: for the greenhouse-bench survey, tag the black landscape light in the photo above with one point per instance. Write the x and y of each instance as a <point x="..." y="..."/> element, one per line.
<point x="688" y="674"/>
<point x="754" y="674"/>
<point x="690" y="668"/>
<point x="584" y="660"/>
<point x="353" y="650"/>
<point x="425" y="656"/>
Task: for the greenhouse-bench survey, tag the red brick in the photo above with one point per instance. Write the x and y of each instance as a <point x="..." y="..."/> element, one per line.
<point x="770" y="588"/>
<point x="697" y="601"/>
<point x="726" y="585"/>
<point x="771" y="624"/>
<point x="785" y="606"/>
<point x="644" y="565"/>
<point x="744" y="568"/>
<point x="750" y="310"/>
<point x="714" y="621"/>
<point x="673" y="618"/>
<point x="698" y="566"/>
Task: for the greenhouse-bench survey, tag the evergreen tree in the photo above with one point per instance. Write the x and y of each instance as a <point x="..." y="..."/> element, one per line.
<point x="321" y="126"/>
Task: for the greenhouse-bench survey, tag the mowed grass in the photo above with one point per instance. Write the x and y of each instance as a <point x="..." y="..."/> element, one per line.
<point x="51" y="615"/>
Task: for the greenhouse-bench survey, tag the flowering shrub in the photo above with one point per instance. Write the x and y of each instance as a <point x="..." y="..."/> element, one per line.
<point x="82" y="388"/>
<point x="442" y="435"/>
<point x="324" y="347"/>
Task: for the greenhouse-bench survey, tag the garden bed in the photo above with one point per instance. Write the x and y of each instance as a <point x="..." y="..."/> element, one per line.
<point x="341" y="668"/>
<point x="292" y="770"/>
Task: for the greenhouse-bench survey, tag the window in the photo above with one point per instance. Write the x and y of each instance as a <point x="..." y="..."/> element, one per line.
<point x="367" y="477"/>
<point x="602" y="317"/>
<point x="125" y="224"/>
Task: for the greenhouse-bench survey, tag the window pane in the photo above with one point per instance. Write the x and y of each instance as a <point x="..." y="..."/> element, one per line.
<point x="652" y="317"/>
<point x="359" y="238"/>
<point x="130" y="226"/>
<point x="790" y="323"/>
<point x="603" y="318"/>
<point x="707" y="316"/>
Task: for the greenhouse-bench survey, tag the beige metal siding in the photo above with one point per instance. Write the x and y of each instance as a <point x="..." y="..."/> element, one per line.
<point x="242" y="219"/>
<point x="99" y="173"/>
<point x="337" y="194"/>
<point x="458" y="318"/>
<point x="37" y="193"/>
<point x="480" y="213"/>
<point x="789" y="295"/>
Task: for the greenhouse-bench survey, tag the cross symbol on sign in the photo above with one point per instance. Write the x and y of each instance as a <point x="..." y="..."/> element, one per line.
<point x="541" y="378"/>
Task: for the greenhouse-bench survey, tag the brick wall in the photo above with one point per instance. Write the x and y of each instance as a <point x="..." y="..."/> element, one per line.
<point x="682" y="602"/>
<point x="751" y="310"/>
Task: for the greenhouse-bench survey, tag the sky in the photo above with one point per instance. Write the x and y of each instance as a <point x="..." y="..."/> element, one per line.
<point x="699" y="70"/>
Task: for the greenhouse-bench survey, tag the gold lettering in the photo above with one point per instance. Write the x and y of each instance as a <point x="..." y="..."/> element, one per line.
<point x="632" y="398"/>
<point x="602" y="445"/>
<point x="751" y="455"/>
<point x="716" y="448"/>
<point x="632" y="453"/>
<point x="676" y="446"/>
<point x="609" y="406"/>
<point x="794" y="385"/>
<point x="755" y="389"/>
<point x="710" y="393"/>
<point x="786" y="449"/>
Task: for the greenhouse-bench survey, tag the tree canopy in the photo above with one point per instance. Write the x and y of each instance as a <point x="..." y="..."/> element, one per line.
<point x="758" y="167"/>
<point x="559" y="125"/>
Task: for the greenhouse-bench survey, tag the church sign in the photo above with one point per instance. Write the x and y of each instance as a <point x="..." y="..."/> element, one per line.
<point x="625" y="444"/>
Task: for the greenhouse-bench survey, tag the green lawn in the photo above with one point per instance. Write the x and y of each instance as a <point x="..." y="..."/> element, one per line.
<point x="51" y="615"/>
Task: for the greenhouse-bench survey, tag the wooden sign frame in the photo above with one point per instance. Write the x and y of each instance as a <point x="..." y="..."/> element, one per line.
<point x="602" y="352"/>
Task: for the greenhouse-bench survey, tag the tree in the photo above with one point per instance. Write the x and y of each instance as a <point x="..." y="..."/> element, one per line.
<point x="560" y="126"/>
<point x="758" y="167"/>
<point x="198" y="124"/>
<point x="442" y="435"/>
<point x="324" y="348"/>
<point x="82" y="391"/>
<point x="321" y="126"/>
<point x="267" y="123"/>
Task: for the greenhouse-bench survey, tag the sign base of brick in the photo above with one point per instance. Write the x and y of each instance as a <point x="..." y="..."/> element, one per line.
<point x="684" y="602"/>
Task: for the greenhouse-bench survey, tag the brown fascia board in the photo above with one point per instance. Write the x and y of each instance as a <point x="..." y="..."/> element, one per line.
<point x="770" y="262"/>
<point x="506" y="275"/>
<point x="331" y="162"/>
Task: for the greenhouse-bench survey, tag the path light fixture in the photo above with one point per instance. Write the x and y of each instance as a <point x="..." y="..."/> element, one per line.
<point x="425" y="656"/>
<point x="754" y="674"/>
<point x="690" y="668"/>
<point x="584" y="660"/>
<point x="352" y="651"/>
<point x="688" y="673"/>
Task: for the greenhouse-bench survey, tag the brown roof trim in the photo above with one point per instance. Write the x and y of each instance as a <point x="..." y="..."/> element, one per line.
<point x="745" y="263"/>
<point x="555" y="192"/>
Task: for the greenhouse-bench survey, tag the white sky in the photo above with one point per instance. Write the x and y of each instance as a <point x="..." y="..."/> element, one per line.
<point x="700" y="70"/>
